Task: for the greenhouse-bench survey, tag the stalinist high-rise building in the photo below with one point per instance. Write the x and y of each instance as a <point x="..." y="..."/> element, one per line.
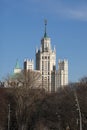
<point x="46" y="64"/>
<point x="46" y="61"/>
<point x="50" y="78"/>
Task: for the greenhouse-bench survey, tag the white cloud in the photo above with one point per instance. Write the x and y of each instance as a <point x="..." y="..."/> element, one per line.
<point x="78" y="13"/>
<point x="74" y="10"/>
<point x="59" y="8"/>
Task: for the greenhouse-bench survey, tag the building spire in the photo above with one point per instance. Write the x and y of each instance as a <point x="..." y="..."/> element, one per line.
<point x="45" y="34"/>
<point x="17" y="65"/>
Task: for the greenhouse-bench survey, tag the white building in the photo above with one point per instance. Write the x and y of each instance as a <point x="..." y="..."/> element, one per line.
<point x="62" y="73"/>
<point x="28" y="64"/>
<point x="46" y="63"/>
<point x="35" y="75"/>
<point x="51" y="79"/>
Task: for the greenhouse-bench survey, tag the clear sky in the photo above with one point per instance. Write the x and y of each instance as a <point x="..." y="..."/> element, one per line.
<point x="22" y="27"/>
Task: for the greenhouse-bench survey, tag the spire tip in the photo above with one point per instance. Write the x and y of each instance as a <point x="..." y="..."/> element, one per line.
<point x="45" y="22"/>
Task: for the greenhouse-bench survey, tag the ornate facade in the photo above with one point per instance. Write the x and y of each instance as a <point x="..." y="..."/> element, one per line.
<point x="46" y="64"/>
<point x="51" y="79"/>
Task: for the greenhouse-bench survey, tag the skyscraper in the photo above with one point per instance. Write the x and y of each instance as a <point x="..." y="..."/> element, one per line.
<point x="49" y="78"/>
<point x="46" y="61"/>
<point x="46" y="64"/>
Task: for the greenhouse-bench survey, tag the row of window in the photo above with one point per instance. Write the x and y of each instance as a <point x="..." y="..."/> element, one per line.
<point x="45" y="78"/>
<point x="45" y="73"/>
<point x="45" y="57"/>
<point x="45" y="66"/>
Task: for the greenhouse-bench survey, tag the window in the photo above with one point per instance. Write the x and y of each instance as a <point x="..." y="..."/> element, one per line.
<point x="45" y="57"/>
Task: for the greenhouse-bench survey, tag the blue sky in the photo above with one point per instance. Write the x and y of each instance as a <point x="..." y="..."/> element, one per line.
<point x="22" y="27"/>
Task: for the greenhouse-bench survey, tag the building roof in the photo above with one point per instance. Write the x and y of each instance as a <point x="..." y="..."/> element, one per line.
<point x="17" y="65"/>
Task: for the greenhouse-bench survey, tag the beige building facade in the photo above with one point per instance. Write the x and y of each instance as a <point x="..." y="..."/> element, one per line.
<point x="28" y="64"/>
<point x="46" y="62"/>
<point x="62" y="74"/>
<point x="52" y="79"/>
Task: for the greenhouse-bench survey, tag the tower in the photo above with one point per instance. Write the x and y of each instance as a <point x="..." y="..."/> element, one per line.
<point x="46" y="62"/>
<point x="17" y="68"/>
<point x="62" y="74"/>
<point x="28" y="64"/>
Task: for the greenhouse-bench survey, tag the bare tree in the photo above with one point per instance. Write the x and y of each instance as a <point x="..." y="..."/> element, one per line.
<point x="3" y="109"/>
<point x="83" y="80"/>
<point x="26" y="78"/>
<point x="26" y="88"/>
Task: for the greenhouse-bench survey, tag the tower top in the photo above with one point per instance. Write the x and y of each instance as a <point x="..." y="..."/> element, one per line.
<point x="45" y="33"/>
<point x="17" y="65"/>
